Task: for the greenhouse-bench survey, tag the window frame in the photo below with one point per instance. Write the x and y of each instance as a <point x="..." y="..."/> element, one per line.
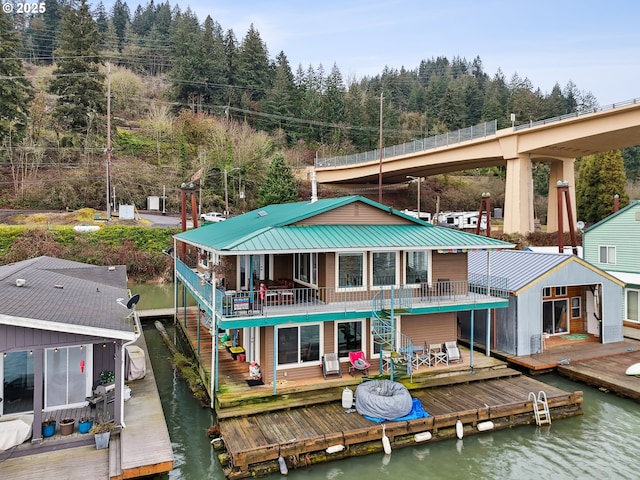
<point x="312" y="265"/>
<point x="627" y="303"/>
<point x="360" y="288"/>
<point x="427" y="254"/>
<point x="605" y="252"/>
<point x="299" y="362"/>
<point x="576" y="304"/>
<point x="396" y="275"/>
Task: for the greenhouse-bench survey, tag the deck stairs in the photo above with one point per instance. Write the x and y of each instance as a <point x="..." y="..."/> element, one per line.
<point x="540" y="407"/>
<point x="384" y="334"/>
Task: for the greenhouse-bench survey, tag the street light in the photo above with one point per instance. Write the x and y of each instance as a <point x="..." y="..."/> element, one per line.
<point x="226" y="191"/>
<point x="418" y="179"/>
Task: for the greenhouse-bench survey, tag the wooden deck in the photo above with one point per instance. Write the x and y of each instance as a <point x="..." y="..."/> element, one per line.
<point x="140" y="449"/>
<point x="253" y="443"/>
<point x="607" y="373"/>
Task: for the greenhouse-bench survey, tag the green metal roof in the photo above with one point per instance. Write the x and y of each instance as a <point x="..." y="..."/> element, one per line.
<point x="271" y="229"/>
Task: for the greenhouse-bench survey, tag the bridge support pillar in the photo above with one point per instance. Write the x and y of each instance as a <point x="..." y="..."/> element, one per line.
<point x="561" y="170"/>
<point x="518" y="198"/>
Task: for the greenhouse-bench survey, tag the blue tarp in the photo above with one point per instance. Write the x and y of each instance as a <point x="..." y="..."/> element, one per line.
<point x="417" y="411"/>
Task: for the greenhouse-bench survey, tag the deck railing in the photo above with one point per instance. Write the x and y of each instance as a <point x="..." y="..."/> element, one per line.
<point x="284" y="301"/>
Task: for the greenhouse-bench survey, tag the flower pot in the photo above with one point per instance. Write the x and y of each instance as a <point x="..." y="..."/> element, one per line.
<point x="48" y="429"/>
<point x="102" y="440"/>
<point x="67" y="426"/>
<point x="84" y="427"/>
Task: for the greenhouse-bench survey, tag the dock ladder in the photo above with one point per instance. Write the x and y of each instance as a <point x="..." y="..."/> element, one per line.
<point x="540" y="408"/>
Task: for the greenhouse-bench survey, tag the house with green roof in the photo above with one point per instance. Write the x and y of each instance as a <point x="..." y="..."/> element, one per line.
<point x="291" y="283"/>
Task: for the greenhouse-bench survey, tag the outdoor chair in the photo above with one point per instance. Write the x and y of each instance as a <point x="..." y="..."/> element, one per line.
<point x="453" y="352"/>
<point x="358" y="362"/>
<point x="331" y="365"/>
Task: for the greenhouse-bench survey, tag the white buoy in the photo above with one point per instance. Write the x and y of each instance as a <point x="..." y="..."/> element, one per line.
<point x="283" y="466"/>
<point x="335" y="448"/>
<point x="484" y="426"/>
<point x="386" y="444"/>
<point x="459" y="429"/>
<point x="422" y="437"/>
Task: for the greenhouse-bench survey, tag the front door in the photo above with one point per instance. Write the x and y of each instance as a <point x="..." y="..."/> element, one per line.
<point x="16" y="383"/>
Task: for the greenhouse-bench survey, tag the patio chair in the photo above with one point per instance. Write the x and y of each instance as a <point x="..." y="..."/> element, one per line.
<point x="331" y="365"/>
<point x="358" y="362"/>
<point x="453" y="352"/>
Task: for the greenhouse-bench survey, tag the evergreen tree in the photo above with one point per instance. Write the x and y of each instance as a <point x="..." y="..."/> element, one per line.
<point x="78" y="82"/>
<point x="214" y="59"/>
<point x="16" y="91"/>
<point x="279" y="185"/>
<point x="120" y="17"/>
<point x="280" y="99"/>
<point x="600" y="178"/>
<point x="253" y="65"/>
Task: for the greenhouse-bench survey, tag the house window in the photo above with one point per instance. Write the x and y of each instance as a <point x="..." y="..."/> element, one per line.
<point x="561" y="291"/>
<point x="576" y="311"/>
<point x="65" y="381"/>
<point x="633" y="304"/>
<point x="349" y="337"/>
<point x="16" y="375"/>
<point x="546" y="292"/>
<point x="417" y="267"/>
<point x="384" y="268"/>
<point x="298" y="344"/>
<point x="306" y="268"/>
<point x="351" y="270"/>
<point x="607" y="255"/>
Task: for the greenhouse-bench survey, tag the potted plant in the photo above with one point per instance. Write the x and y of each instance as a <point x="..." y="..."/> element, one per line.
<point x="48" y="427"/>
<point x="107" y="377"/>
<point x="67" y="425"/>
<point x="102" y="433"/>
<point x="85" y="424"/>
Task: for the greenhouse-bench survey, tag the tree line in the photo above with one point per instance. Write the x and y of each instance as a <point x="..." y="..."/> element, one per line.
<point x="175" y="72"/>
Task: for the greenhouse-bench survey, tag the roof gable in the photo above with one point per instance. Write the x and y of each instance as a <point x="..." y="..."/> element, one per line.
<point x="328" y="225"/>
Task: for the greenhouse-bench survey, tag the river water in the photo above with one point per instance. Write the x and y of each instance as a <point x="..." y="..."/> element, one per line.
<point x="600" y="444"/>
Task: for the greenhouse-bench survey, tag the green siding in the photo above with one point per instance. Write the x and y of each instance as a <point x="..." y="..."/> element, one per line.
<point x="620" y="230"/>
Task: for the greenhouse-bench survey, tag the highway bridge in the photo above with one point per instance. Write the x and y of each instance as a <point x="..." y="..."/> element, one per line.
<point x="557" y="141"/>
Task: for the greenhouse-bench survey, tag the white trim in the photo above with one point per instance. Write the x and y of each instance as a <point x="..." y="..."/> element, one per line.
<point x="65" y="327"/>
<point x="397" y="270"/>
<point x="363" y="332"/>
<point x="300" y="363"/>
<point x="363" y="287"/>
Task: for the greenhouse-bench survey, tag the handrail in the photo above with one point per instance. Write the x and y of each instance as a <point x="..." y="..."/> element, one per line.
<point x="567" y="116"/>
<point x="441" y="140"/>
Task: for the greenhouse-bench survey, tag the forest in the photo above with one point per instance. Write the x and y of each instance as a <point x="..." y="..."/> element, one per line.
<point x="156" y="95"/>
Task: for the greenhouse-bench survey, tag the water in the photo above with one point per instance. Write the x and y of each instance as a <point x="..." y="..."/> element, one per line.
<point x="598" y="444"/>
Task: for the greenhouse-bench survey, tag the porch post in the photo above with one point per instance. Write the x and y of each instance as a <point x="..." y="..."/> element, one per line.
<point x="38" y="395"/>
<point x="488" y="329"/>
<point x="471" y="342"/>
<point x="275" y="358"/>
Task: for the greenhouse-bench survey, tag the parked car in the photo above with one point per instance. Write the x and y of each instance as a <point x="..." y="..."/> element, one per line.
<point x="212" y="217"/>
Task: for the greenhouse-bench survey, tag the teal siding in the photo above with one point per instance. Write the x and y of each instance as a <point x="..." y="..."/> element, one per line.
<point x="620" y="230"/>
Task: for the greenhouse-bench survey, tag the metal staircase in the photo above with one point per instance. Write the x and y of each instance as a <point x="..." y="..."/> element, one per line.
<point x="540" y="408"/>
<point x="399" y="346"/>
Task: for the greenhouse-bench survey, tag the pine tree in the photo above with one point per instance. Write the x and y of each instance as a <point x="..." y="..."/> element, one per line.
<point x="600" y="178"/>
<point x="279" y="185"/>
<point x="16" y="91"/>
<point x="78" y="81"/>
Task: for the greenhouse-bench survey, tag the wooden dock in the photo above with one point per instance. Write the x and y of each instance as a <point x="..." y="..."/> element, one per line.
<point x="302" y="435"/>
<point x="607" y="373"/>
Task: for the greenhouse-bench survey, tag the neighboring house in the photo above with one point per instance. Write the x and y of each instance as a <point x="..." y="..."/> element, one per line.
<point x="613" y="244"/>
<point x="549" y="294"/>
<point x="293" y="282"/>
<point x="61" y="325"/>
<point x="566" y="249"/>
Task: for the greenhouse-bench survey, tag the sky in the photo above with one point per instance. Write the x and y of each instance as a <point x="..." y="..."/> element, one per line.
<point x="594" y="44"/>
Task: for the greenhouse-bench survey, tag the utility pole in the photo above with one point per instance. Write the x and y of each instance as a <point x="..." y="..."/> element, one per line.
<point x="108" y="140"/>
<point x="380" y="172"/>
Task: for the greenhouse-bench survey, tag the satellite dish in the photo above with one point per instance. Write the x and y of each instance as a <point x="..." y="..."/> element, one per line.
<point x="131" y="304"/>
<point x="580" y="225"/>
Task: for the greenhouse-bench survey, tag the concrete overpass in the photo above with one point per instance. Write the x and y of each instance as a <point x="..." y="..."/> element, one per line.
<point x="558" y="141"/>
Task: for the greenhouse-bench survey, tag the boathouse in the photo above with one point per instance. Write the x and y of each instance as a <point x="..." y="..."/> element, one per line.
<point x="289" y="286"/>
<point x="550" y="295"/>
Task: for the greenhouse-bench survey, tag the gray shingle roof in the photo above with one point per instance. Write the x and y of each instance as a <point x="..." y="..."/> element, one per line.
<point x="78" y="297"/>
